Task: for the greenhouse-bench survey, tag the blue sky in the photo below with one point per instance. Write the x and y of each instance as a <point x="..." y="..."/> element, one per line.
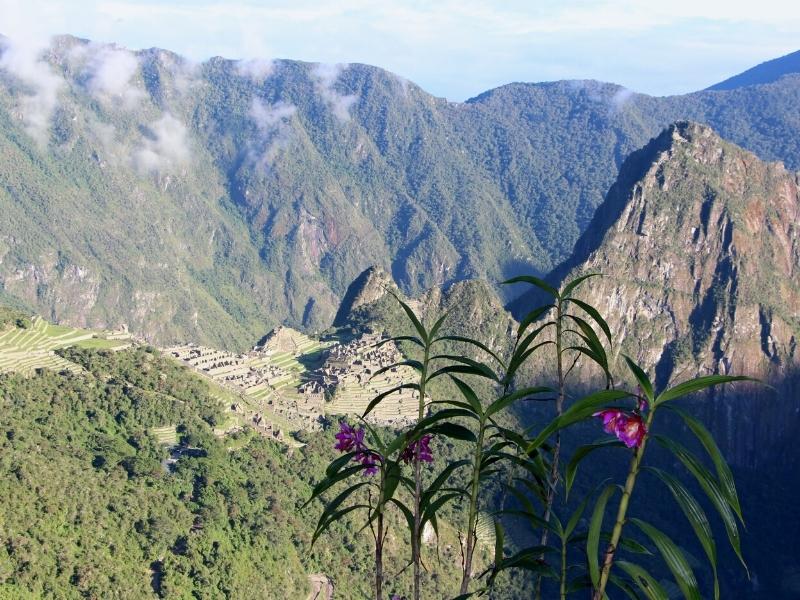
<point x="452" y="48"/>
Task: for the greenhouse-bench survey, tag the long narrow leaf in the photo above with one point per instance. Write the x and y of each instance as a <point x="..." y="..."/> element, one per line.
<point x="581" y="409"/>
<point x="641" y="377"/>
<point x="695" y="385"/>
<point x="724" y="473"/>
<point x="712" y="490"/>
<point x="593" y="537"/>
<point x="695" y="515"/>
<point x="476" y="343"/>
<point x="595" y="315"/>
<point x="675" y="559"/>
<point x="540" y="283"/>
<point x="509" y="399"/>
<point x="377" y="400"/>
<point x="580" y="454"/>
<point x="643" y="580"/>
<point x="567" y="290"/>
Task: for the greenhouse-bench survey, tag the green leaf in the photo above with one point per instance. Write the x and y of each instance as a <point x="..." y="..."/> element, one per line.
<point x="479" y="368"/>
<point x="695" y="515"/>
<point x="440" y="480"/>
<point x="623" y="585"/>
<point x="576" y="517"/>
<point x="433" y="507"/>
<point x="377" y="399"/>
<point x="330" y="513"/>
<point x="508" y="399"/>
<point x="337" y="464"/>
<point x="593" y="537"/>
<point x="643" y="580"/>
<point x="595" y="315"/>
<point x="531" y="317"/>
<point x="469" y="395"/>
<point x="406" y="513"/>
<point x="499" y="542"/>
<point x="329" y="482"/>
<point x="641" y="377"/>
<point x="541" y="284"/>
<point x="414" y="320"/>
<point x="424" y="426"/>
<point x="673" y="556"/>
<point x="581" y="409"/>
<point x="331" y="518"/>
<point x="454" y="431"/>
<point x="476" y="343"/>
<point x="400" y="338"/>
<point x="724" y="473"/>
<point x="436" y="326"/>
<point x="414" y="364"/>
<point x="575" y="283"/>
<point x="712" y="490"/>
<point x="392" y="480"/>
<point x="696" y="385"/>
<point x="583" y="452"/>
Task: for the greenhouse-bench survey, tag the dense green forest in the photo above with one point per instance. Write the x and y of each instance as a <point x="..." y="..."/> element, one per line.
<point x="89" y="508"/>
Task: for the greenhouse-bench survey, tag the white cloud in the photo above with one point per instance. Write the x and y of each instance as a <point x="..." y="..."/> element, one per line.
<point x="272" y="121"/>
<point x="167" y="149"/>
<point x="267" y="116"/>
<point x="325" y="76"/>
<point x="621" y="98"/>
<point x="257" y="69"/>
<point x="22" y="58"/>
<point x="111" y="72"/>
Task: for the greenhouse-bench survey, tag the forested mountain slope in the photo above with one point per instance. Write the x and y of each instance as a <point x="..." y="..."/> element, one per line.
<point x="212" y="201"/>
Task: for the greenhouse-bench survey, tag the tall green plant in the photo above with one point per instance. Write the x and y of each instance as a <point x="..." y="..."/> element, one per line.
<point x="629" y="416"/>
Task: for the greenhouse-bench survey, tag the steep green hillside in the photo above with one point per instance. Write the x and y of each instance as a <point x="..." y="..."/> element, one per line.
<point x="213" y="201"/>
<point x="91" y="508"/>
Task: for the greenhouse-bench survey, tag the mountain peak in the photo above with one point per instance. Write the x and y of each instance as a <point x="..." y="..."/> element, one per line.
<point x="372" y="285"/>
<point x="698" y="251"/>
<point x="766" y="72"/>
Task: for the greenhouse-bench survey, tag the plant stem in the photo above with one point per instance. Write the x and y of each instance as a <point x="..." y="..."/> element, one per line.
<point x="624" y="502"/>
<point x="379" y="558"/>
<point x="415" y="542"/>
<point x="473" y="509"/>
<point x="554" y="475"/>
<point x="563" y="569"/>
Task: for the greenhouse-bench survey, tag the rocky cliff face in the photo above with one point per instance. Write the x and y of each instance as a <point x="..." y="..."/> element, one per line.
<point x="698" y="244"/>
<point x="700" y="257"/>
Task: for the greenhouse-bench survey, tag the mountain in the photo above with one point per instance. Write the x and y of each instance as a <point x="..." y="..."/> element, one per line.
<point x="699" y="252"/>
<point x="766" y="72"/>
<point x="214" y="201"/>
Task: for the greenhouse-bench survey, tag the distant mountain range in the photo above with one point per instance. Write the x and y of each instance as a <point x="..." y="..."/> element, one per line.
<point x="766" y="72"/>
<point x="213" y="201"/>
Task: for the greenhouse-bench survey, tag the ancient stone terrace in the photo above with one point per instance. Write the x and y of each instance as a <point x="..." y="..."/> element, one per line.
<point x="23" y="350"/>
<point x="249" y="373"/>
<point x="348" y="377"/>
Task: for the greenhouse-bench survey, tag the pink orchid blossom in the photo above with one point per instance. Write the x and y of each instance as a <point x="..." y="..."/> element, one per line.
<point x="629" y="429"/>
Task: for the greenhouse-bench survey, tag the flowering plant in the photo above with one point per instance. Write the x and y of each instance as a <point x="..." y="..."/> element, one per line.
<point x="531" y="467"/>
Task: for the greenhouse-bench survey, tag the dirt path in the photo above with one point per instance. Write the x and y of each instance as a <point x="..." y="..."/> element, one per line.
<point x="321" y="587"/>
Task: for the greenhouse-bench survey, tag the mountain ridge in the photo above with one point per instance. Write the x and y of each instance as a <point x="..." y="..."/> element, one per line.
<point x="218" y="200"/>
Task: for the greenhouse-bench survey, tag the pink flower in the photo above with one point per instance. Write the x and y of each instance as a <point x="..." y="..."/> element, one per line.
<point x="349" y="438"/>
<point x="630" y="429"/>
<point x="368" y="459"/>
<point x="419" y="449"/>
<point x="610" y="417"/>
